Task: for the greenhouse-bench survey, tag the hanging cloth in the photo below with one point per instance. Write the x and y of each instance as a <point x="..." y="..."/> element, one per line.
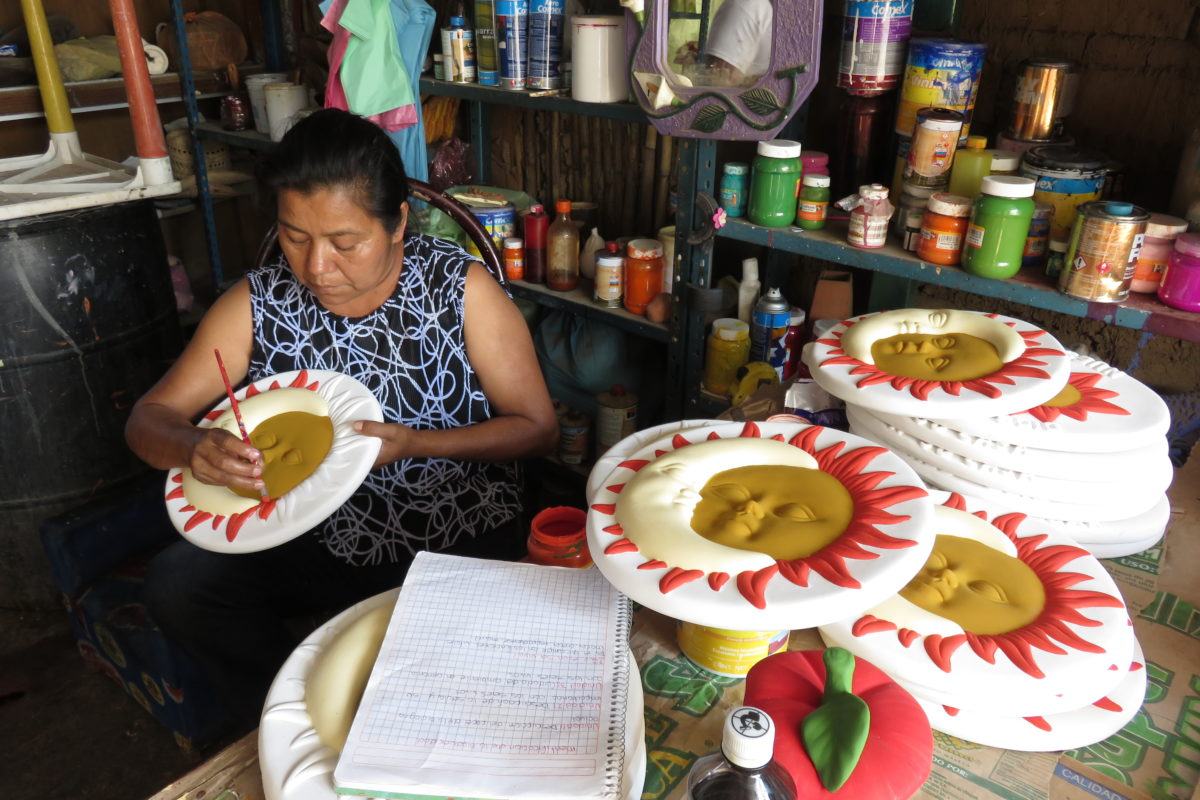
<point x="335" y="94"/>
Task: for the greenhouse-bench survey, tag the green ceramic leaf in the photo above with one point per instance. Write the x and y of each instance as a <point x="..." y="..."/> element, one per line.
<point x="836" y="732"/>
<point x="762" y="101"/>
<point x="709" y="119"/>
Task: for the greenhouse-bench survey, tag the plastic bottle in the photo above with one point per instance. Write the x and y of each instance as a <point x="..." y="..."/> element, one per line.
<point x="814" y="202"/>
<point x="587" y="259"/>
<point x="728" y="349"/>
<point x="1000" y="217"/>
<point x="774" y="183"/>
<point x="744" y="769"/>
<point x="748" y="289"/>
<point x="562" y="250"/>
<point x="970" y="166"/>
<point x="537" y="225"/>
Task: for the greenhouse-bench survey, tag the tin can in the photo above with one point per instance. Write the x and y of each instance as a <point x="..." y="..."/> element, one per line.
<point x="1043" y="97"/>
<point x="1102" y="254"/>
<point x="941" y="73"/>
<point x="874" y="35"/>
<point x="933" y="144"/>
<point x="458" y="51"/>
<point x="726" y="652"/>
<point x="574" y="430"/>
<point x="487" y="62"/>
<point x="1038" y="240"/>
<point x="514" y="259"/>
<point x="610" y="280"/>
<point x="735" y="181"/>
<point x="616" y="417"/>
<point x="512" y="43"/>
<point x="544" y="68"/>
<point x="499" y="221"/>
<point x="1067" y="177"/>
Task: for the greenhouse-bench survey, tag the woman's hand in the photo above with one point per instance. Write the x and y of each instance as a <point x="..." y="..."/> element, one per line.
<point x="398" y="440"/>
<point x="222" y="459"/>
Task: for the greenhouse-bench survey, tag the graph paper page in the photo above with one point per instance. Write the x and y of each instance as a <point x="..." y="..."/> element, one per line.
<point x="494" y="680"/>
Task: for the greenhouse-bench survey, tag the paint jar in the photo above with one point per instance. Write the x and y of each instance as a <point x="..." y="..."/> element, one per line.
<point x="574" y="430"/>
<point x="869" y="219"/>
<point x="814" y="162"/>
<point x="610" y="278"/>
<point x="1056" y="257"/>
<point x="735" y="180"/>
<point x="775" y="183"/>
<point x="1180" y="287"/>
<point x="598" y="64"/>
<point x="933" y="144"/>
<point x="941" y="73"/>
<point x="558" y="538"/>
<point x="971" y="163"/>
<point x="1044" y="96"/>
<point x="616" y="417"/>
<point x="1067" y="177"/>
<point x="1004" y="162"/>
<point x="726" y="652"/>
<point x="1161" y="232"/>
<point x="512" y="42"/>
<point x="458" y="51"/>
<point x="727" y="350"/>
<point x="813" y="207"/>
<point x="643" y="274"/>
<point x="999" y="224"/>
<point x="943" y="229"/>
<point x="1105" y="243"/>
<point x="1038" y="238"/>
<point x="874" y="36"/>
<point x="500" y="221"/>
<point x="912" y="198"/>
<point x="514" y="259"/>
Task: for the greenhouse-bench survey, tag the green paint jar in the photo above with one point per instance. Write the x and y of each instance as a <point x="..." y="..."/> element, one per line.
<point x="1000" y="217"/>
<point x="775" y="183"/>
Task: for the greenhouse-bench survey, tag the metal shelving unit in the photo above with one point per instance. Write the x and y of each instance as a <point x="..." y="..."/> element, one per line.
<point x="578" y="301"/>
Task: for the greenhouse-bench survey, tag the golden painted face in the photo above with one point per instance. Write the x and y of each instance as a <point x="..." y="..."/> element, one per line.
<point x="293" y="445"/>
<point x="978" y="587"/>
<point x="936" y="357"/>
<point x="1066" y="398"/>
<point x="785" y="512"/>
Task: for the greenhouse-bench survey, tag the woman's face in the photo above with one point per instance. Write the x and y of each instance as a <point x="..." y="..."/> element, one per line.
<point x="341" y="253"/>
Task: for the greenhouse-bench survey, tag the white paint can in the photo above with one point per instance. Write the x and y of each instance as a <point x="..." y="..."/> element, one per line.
<point x="285" y="101"/>
<point x="258" y="102"/>
<point x="599" y="65"/>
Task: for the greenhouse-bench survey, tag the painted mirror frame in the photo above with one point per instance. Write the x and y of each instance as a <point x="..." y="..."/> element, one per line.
<point x="754" y="112"/>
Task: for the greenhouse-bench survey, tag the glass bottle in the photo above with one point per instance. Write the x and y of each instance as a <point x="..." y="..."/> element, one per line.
<point x="744" y="769"/>
<point x="562" y="250"/>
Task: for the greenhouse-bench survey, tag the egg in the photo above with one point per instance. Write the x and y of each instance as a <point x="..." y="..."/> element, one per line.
<point x="659" y="309"/>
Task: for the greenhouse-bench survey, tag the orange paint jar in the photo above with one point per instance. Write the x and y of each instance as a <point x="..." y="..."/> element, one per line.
<point x="943" y="228"/>
<point x="643" y="274"/>
<point x="558" y="538"/>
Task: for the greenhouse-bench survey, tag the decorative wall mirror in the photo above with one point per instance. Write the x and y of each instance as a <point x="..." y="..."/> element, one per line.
<point x="726" y="69"/>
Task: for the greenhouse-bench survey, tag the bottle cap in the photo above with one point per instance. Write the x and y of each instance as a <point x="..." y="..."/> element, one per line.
<point x="779" y="148"/>
<point x="873" y="191"/>
<point x="940" y="119"/>
<point x="748" y="738"/>
<point x="1188" y="244"/>
<point x="977" y="142"/>
<point x="562" y="206"/>
<point x="731" y="330"/>
<point x="537" y="208"/>
<point x="818" y="181"/>
<point x="1005" y="160"/>
<point x="736" y="168"/>
<point x="514" y="244"/>
<point x="1059" y="245"/>
<point x="814" y="158"/>
<point x="1164" y="226"/>
<point x="749" y="269"/>
<point x="1007" y="186"/>
<point x="612" y="247"/>
<point x="458" y="22"/>
<point x="951" y="205"/>
<point x="644" y="248"/>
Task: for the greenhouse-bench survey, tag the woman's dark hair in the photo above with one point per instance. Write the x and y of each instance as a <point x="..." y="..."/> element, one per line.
<point x="331" y="148"/>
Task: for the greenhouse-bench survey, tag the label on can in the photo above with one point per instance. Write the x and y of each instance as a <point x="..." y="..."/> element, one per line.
<point x="813" y="210"/>
<point x="608" y="286"/>
<point x="874" y="35"/>
<point x="768" y="334"/>
<point x="974" y="235"/>
<point x="729" y="653"/>
<point x="950" y="242"/>
<point x="1065" y="194"/>
<point x="458" y="62"/>
<point x="573" y="438"/>
<point x="940" y="74"/>
<point x="514" y="266"/>
<point x="1101" y="258"/>
<point x="500" y="223"/>
<point x="733" y="201"/>
<point x="614" y="424"/>
<point x="485" y="43"/>
<point x="512" y="22"/>
<point x="545" y="44"/>
<point x="867" y="231"/>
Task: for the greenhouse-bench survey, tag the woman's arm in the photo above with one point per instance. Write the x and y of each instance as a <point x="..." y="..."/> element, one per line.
<point x="501" y="352"/>
<point x="160" y="429"/>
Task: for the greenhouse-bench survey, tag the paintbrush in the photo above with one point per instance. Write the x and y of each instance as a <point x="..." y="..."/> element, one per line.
<point x="237" y="412"/>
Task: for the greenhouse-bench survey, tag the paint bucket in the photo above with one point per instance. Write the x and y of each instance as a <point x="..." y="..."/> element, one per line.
<point x="284" y="102"/>
<point x="1044" y="96"/>
<point x="512" y="43"/>
<point x="940" y="73"/>
<point x="1023" y="146"/>
<point x="874" y="35"/>
<point x="1067" y="178"/>
<point x="258" y="102"/>
<point x="598" y="59"/>
<point x="728" y="653"/>
<point x="1101" y="257"/>
<point x="499" y="221"/>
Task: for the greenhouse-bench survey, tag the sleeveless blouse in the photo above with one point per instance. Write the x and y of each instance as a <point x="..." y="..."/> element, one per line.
<point x="411" y="354"/>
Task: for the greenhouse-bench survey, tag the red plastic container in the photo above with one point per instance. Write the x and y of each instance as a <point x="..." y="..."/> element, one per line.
<point x="558" y="538"/>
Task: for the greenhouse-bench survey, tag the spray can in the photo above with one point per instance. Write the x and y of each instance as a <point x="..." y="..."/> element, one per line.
<point x="512" y="21"/>
<point x="545" y="45"/>
<point x="768" y="330"/>
<point x="486" y="58"/>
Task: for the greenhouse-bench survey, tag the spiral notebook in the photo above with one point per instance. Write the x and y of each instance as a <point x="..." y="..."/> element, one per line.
<point x="494" y="680"/>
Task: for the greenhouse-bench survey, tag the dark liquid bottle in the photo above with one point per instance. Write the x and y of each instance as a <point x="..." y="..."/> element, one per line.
<point x="743" y="770"/>
<point x="863" y="133"/>
<point x="537" y="223"/>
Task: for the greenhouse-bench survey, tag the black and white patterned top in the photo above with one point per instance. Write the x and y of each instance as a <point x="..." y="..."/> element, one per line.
<point x="411" y="353"/>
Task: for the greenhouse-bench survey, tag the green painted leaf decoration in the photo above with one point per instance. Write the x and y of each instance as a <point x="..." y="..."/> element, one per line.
<point x="836" y="732"/>
<point x="761" y="101"/>
<point x="709" y="119"/>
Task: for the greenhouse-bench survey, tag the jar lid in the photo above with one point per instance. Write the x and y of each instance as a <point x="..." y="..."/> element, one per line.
<point x="1005" y="160"/>
<point x="940" y="119"/>
<point x="609" y="259"/>
<point x="736" y="168"/>
<point x="913" y="191"/>
<point x="798" y="316"/>
<point x="873" y="191"/>
<point x="1059" y="245"/>
<point x="818" y="181"/>
<point x="537" y="208"/>
<point x="731" y="330"/>
<point x="951" y="205"/>
<point x="645" y="248"/>
<point x="1188" y="244"/>
<point x="562" y="206"/>
<point x="458" y="22"/>
<point x="815" y="158"/>
<point x="1164" y="226"/>
<point x="975" y="142"/>
<point x="1007" y="186"/>
<point x="514" y="244"/>
<point x="779" y="148"/>
<point x="1066" y="157"/>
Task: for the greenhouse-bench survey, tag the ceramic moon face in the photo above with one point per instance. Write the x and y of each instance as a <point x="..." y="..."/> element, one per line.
<point x="938" y="363"/>
<point x="758" y="526"/>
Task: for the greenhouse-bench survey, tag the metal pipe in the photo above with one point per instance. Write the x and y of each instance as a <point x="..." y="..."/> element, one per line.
<point x="50" y="82"/>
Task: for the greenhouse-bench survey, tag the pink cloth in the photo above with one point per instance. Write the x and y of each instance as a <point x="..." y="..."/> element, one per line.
<point x="335" y="96"/>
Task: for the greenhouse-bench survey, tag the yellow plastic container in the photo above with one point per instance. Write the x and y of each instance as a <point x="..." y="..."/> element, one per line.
<point x="728" y="349"/>
<point x="729" y="653"/>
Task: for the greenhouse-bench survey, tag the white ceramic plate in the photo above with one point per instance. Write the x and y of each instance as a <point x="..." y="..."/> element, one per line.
<point x="711" y="584"/>
<point x="630" y="445"/>
<point x="262" y="525"/>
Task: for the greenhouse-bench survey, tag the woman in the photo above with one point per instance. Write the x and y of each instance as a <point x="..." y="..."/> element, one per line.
<point x="432" y="335"/>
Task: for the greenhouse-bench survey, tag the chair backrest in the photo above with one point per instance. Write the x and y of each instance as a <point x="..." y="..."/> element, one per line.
<point x="452" y="208"/>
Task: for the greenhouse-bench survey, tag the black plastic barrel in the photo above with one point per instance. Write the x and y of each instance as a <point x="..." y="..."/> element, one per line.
<point x="87" y="324"/>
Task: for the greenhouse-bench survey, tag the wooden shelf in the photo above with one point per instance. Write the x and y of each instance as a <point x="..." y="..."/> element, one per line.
<point x="24" y="102"/>
<point x="578" y="301"/>
<point x="562" y="102"/>
<point x="1030" y="287"/>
